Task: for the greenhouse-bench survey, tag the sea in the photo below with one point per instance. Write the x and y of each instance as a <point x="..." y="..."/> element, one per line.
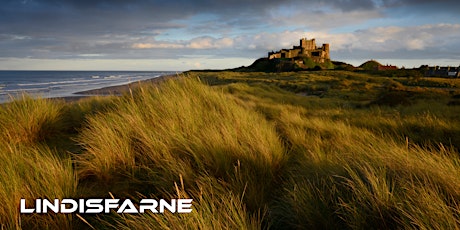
<point x="50" y="84"/>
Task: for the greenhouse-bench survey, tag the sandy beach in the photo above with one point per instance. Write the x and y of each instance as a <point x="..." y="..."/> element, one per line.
<point x="120" y="89"/>
<point x="113" y="90"/>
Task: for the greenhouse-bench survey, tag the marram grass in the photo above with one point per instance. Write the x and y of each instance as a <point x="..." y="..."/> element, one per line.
<point x="29" y="121"/>
<point x="183" y="127"/>
<point x="261" y="153"/>
<point x="31" y="173"/>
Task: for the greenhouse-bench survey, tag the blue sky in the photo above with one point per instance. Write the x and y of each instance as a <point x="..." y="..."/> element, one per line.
<point x="202" y="34"/>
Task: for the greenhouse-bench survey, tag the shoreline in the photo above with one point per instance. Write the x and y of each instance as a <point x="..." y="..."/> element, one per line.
<point x="116" y="90"/>
<point x="120" y="89"/>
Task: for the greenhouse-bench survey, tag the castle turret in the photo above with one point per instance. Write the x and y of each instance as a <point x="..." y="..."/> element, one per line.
<point x="326" y="50"/>
<point x="303" y="42"/>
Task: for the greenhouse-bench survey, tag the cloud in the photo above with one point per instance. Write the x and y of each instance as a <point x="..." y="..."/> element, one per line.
<point x="386" y="39"/>
<point x="433" y="41"/>
<point x="154" y="29"/>
<point x="206" y="42"/>
<point x="95" y="16"/>
<point x="427" y="41"/>
<point x="178" y="64"/>
<point x="156" y="46"/>
<point x="44" y="17"/>
<point x="435" y="5"/>
<point x="323" y="20"/>
<point x="379" y="39"/>
<point x="210" y="43"/>
<point x="389" y="42"/>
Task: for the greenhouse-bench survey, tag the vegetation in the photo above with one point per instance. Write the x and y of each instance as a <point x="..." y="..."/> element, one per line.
<point x="287" y="64"/>
<point x="370" y="65"/>
<point x="303" y="150"/>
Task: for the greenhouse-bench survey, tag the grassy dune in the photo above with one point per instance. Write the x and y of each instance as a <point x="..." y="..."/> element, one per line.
<point x="313" y="150"/>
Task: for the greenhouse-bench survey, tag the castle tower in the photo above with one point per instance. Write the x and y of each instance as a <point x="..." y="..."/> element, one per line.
<point x="307" y="44"/>
<point x="326" y="50"/>
<point x="303" y="42"/>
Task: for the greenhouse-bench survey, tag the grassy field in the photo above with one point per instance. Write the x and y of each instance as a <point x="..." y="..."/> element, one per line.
<point x="303" y="150"/>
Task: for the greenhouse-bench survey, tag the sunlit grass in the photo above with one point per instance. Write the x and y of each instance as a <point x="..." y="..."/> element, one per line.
<point x="32" y="173"/>
<point x="307" y="150"/>
<point x="28" y="121"/>
<point x="182" y="128"/>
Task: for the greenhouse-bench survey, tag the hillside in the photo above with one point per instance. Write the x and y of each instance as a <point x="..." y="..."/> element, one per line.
<point x="370" y="65"/>
<point x="284" y="65"/>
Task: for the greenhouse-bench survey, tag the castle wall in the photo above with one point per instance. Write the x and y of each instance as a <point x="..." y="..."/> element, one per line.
<point x="307" y="48"/>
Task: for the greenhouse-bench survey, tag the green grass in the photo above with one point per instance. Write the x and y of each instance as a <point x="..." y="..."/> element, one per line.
<point x="305" y="150"/>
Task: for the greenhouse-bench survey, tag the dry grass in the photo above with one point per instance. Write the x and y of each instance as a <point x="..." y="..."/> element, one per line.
<point x="29" y="121"/>
<point x="253" y="152"/>
<point x="31" y="173"/>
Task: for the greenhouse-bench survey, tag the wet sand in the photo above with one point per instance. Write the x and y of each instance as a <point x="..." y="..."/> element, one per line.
<point x="113" y="90"/>
<point x="120" y="89"/>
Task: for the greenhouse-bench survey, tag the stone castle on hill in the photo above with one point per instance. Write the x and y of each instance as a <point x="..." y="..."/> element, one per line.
<point x="306" y="49"/>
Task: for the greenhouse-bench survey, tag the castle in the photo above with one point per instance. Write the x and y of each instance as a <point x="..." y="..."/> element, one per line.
<point x="306" y="49"/>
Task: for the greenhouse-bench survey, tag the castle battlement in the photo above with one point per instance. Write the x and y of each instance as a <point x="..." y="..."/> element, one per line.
<point x="306" y="49"/>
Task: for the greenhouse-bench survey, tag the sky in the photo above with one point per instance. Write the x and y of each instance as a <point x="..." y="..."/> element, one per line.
<point x="179" y="35"/>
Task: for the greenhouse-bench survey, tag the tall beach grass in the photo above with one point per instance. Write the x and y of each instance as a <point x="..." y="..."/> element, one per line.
<point x="253" y="151"/>
<point x="183" y="130"/>
<point x="29" y="169"/>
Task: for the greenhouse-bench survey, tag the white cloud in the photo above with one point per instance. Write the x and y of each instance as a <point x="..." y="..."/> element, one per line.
<point x="415" y="44"/>
<point x="195" y="43"/>
<point x="166" y="64"/>
<point x="373" y="40"/>
<point x="91" y="55"/>
<point x="210" y="43"/>
<point x="269" y="41"/>
<point x="393" y="38"/>
<point x="428" y="42"/>
<point x="224" y="42"/>
<point x="156" y="46"/>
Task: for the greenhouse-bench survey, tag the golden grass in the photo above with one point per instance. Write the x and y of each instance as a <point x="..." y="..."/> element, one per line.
<point x="31" y="173"/>
<point x="255" y="151"/>
<point x="182" y="128"/>
<point x="29" y="121"/>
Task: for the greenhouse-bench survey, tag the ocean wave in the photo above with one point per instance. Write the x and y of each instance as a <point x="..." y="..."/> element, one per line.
<point x="113" y="77"/>
<point x="53" y="82"/>
<point x="26" y="90"/>
<point x="92" y="79"/>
